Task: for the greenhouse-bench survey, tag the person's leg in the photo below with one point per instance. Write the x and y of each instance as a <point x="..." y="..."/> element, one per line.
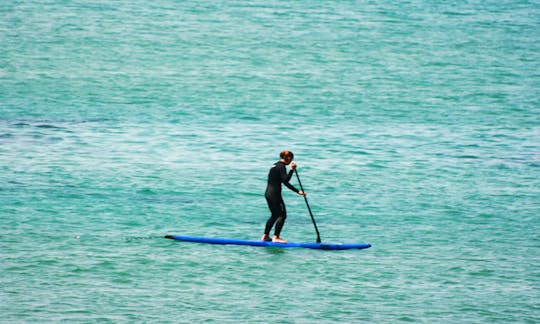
<point x="275" y="209"/>
<point x="269" y="224"/>
<point x="280" y="221"/>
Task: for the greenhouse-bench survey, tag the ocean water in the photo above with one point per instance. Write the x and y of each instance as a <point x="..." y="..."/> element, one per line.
<point x="415" y="125"/>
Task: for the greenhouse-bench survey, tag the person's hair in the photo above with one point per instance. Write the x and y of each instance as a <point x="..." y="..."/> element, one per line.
<point x="285" y="154"/>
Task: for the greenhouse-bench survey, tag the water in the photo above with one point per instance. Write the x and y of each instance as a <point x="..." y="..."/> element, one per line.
<point x="415" y="126"/>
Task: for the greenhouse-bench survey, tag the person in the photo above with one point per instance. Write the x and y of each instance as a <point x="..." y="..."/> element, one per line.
<point x="278" y="175"/>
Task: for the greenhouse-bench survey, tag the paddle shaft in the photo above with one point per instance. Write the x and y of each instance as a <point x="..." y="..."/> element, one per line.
<point x="309" y="209"/>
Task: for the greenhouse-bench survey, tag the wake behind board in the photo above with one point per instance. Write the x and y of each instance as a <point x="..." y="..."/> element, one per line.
<point x="317" y="246"/>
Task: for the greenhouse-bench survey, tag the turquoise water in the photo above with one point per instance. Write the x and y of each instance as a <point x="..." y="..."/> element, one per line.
<point x="416" y="128"/>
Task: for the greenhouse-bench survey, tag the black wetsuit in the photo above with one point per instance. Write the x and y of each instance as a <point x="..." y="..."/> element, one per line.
<point x="277" y="176"/>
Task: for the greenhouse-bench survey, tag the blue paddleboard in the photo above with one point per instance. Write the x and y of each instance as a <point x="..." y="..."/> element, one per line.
<point x="318" y="246"/>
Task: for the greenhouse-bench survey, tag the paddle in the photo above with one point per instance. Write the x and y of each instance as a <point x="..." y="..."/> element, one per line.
<point x="309" y="209"/>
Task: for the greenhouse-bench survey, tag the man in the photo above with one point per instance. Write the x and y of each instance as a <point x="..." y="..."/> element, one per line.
<point x="278" y="175"/>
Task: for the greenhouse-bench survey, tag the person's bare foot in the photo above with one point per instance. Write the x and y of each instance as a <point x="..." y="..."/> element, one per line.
<point x="277" y="239"/>
<point x="266" y="238"/>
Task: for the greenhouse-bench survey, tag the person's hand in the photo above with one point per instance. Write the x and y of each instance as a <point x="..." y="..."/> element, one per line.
<point x="302" y="193"/>
<point x="293" y="165"/>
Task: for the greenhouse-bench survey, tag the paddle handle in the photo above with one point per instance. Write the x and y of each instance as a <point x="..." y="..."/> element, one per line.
<point x="309" y="208"/>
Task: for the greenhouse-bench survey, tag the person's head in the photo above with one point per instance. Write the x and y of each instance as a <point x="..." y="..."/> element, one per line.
<point x="286" y="156"/>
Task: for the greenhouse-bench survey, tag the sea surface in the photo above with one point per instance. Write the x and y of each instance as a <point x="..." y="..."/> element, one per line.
<point x="415" y="125"/>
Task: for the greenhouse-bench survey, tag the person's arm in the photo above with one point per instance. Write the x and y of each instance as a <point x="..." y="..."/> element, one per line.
<point x="285" y="178"/>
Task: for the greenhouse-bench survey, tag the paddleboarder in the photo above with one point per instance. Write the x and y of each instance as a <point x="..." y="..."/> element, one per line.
<point x="278" y="175"/>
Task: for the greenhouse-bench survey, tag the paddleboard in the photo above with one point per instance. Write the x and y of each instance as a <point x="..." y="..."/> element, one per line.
<point x="317" y="246"/>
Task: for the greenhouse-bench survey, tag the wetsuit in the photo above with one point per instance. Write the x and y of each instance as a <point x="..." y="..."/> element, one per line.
<point x="277" y="176"/>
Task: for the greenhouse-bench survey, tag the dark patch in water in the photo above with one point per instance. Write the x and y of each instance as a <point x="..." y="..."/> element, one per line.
<point x="47" y="126"/>
<point x="55" y="139"/>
